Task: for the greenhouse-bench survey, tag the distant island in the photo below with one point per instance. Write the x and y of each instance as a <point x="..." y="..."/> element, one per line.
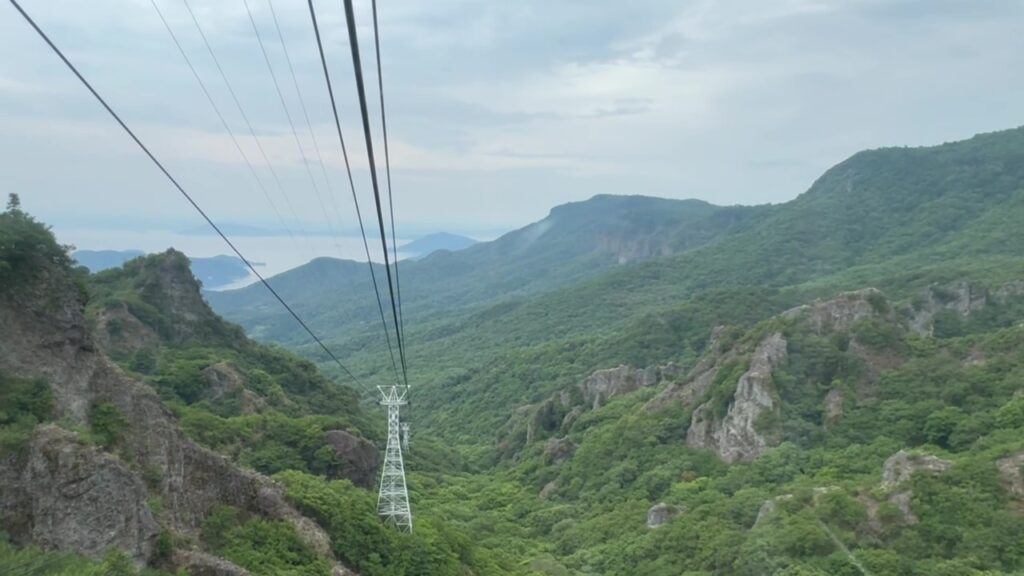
<point x="214" y="271"/>
<point x="433" y="242"/>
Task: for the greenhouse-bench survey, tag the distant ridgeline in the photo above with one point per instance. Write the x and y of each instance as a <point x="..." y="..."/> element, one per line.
<point x="213" y="272"/>
<point x="431" y="243"/>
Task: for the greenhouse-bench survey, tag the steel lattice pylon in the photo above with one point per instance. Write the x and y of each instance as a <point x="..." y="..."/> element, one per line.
<point x="393" y="499"/>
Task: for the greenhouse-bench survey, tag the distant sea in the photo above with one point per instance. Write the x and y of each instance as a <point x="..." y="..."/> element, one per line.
<point x="277" y="253"/>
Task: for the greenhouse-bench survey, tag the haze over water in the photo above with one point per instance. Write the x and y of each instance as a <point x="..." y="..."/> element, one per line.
<point x="274" y="253"/>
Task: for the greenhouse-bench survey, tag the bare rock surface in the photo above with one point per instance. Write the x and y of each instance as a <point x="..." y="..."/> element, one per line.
<point x="1011" y="473"/>
<point x="80" y="498"/>
<point x="833" y="407"/>
<point x="197" y="563"/>
<point x="361" y="457"/>
<point x="902" y="465"/>
<point x="118" y="330"/>
<point x="602" y="385"/>
<point x="548" y="490"/>
<point x="660" y="514"/>
<point x="841" y="312"/>
<point x="698" y="381"/>
<point x="45" y="338"/>
<point x="559" y="450"/>
<point x="963" y="298"/>
<point x="736" y="436"/>
<point x="225" y="380"/>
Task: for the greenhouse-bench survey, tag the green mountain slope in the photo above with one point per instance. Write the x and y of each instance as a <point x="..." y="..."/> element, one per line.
<point x="669" y="416"/>
<point x="634" y="386"/>
<point x="897" y="216"/>
<point x="898" y="219"/>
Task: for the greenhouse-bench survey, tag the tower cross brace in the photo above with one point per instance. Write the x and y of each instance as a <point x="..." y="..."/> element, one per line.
<point x="393" y="498"/>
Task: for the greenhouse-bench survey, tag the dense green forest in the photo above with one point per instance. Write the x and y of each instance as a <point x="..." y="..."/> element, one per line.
<point x="889" y="438"/>
<point x="915" y="223"/>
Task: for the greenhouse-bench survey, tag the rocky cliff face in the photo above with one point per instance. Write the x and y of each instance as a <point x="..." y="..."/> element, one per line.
<point x="963" y="299"/>
<point x="602" y="385"/>
<point x="842" y="312"/>
<point x="361" y="458"/>
<point x="740" y="434"/>
<point x="559" y="412"/>
<point x="902" y="465"/>
<point x="691" y="389"/>
<point x="83" y="500"/>
<point x="743" y="427"/>
<point x="71" y="496"/>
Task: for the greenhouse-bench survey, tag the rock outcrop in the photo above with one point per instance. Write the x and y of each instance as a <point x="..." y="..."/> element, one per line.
<point x="660" y="514"/>
<point x="602" y="385"/>
<point x="548" y="490"/>
<point x="360" y="457"/>
<point x="737" y="436"/>
<point x="45" y="338"/>
<point x="1011" y="473"/>
<point x="224" y="380"/>
<point x="896" y="471"/>
<point x="833" y="407"/>
<point x="196" y="563"/>
<point x="961" y="298"/>
<point x="843" y="311"/>
<point x="71" y="496"/>
<point x="559" y="450"/>
<point x="557" y="413"/>
<point x="690" y="389"/>
<point x="118" y="331"/>
<point x="902" y="465"/>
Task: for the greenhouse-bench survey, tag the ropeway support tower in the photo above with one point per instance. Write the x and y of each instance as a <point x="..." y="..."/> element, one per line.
<point x="393" y="499"/>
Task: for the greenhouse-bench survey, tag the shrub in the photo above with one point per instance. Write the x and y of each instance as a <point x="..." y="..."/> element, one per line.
<point x="107" y="423"/>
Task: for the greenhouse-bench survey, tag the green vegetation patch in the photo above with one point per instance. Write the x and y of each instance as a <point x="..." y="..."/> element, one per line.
<point x="23" y="405"/>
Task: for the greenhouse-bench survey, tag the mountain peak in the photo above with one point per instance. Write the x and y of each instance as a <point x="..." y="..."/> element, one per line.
<point x="430" y="243"/>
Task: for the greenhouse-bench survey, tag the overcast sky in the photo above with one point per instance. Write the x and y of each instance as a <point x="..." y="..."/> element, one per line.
<point x="497" y="110"/>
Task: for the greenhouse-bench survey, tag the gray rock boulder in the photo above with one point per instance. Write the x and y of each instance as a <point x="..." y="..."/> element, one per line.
<point x="224" y="380"/>
<point x="902" y="465"/>
<point x="559" y="450"/>
<point x="360" y="457"/>
<point x="548" y="490"/>
<point x="661" y="514"/>
<point x="602" y="385"/>
<point x="700" y="378"/>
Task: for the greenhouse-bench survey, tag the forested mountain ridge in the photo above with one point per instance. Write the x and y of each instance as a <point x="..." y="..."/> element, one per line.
<point x="832" y="386"/>
<point x="575" y="242"/>
<point x="896" y="218"/>
<point x="928" y="238"/>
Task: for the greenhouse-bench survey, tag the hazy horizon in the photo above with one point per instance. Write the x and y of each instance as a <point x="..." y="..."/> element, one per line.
<point x="497" y="112"/>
